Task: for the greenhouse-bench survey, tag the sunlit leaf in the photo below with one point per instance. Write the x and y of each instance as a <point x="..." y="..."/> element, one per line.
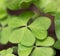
<point x="24" y="51"/>
<point x="43" y="51"/>
<point x="49" y="41"/>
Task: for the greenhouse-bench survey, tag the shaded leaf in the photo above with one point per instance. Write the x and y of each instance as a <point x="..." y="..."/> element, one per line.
<point x="57" y="44"/>
<point x="24" y="51"/>
<point x="49" y="41"/>
<point x="57" y="25"/>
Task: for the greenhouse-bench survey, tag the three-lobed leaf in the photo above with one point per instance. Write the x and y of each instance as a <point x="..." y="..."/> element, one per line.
<point x="40" y="26"/>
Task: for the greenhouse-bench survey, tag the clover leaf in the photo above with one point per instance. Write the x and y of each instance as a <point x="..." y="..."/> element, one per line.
<point x="22" y="36"/>
<point x="21" y="20"/>
<point x="43" y="51"/>
<point x="24" y="51"/>
<point x="7" y="52"/>
<point x="39" y="27"/>
<point x="49" y="41"/>
<point x="3" y="12"/>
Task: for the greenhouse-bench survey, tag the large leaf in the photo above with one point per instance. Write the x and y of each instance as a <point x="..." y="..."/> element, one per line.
<point x="49" y="41"/>
<point x="22" y="35"/>
<point x="57" y="44"/>
<point x="57" y="25"/>
<point x="5" y="33"/>
<point x="3" y="12"/>
<point x="21" y="20"/>
<point x="24" y="51"/>
<point x="39" y="27"/>
<point x="43" y="51"/>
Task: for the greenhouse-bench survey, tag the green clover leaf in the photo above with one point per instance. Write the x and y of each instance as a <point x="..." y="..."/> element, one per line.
<point x="47" y="42"/>
<point x="7" y="52"/>
<point x="24" y="51"/>
<point x="21" y="20"/>
<point x="22" y="36"/>
<point x="40" y="26"/>
<point x="43" y="51"/>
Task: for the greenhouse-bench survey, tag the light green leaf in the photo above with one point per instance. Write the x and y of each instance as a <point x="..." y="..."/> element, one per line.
<point x="21" y="20"/>
<point x="28" y="39"/>
<point x="22" y="35"/>
<point x="57" y="44"/>
<point x="39" y="27"/>
<point x="41" y="23"/>
<point x="3" y="12"/>
<point x="49" y="41"/>
<point x="15" y="36"/>
<point x="24" y="51"/>
<point x="43" y="51"/>
<point x="5" y="33"/>
<point x="7" y="52"/>
<point x="57" y="25"/>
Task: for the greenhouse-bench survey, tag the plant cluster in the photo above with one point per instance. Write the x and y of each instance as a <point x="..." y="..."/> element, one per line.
<point x="31" y="37"/>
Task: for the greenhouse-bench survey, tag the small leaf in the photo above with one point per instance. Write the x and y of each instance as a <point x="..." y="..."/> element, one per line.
<point x="57" y="44"/>
<point x="5" y="33"/>
<point x="43" y="51"/>
<point x="24" y="51"/>
<point x="49" y="41"/>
